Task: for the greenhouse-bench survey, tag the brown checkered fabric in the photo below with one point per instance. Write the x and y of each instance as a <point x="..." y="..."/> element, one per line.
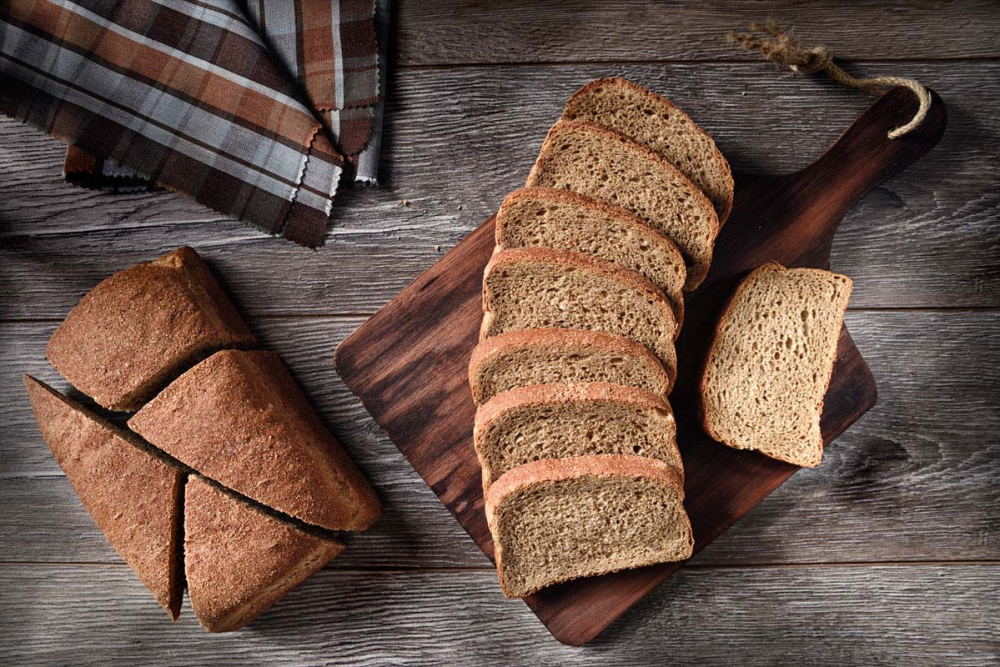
<point x="238" y="104"/>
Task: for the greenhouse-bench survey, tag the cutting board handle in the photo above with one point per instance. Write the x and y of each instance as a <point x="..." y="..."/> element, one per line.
<point x="864" y="156"/>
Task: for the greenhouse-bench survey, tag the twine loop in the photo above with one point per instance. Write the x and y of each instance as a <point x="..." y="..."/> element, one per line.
<point x="784" y="50"/>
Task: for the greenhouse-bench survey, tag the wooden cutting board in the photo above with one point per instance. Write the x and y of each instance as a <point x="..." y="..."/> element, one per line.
<point x="408" y="362"/>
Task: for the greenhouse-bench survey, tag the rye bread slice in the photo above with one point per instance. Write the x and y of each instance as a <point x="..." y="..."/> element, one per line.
<point x="240" y="419"/>
<point x="133" y="496"/>
<point x="771" y="361"/>
<point x="656" y="122"/>
<point x="542" y="288"/>
<point x="592" y="160"/>
<point x="136" y="329"/>
<point x="565" y="220"/>
<point x="558" y="421"/>
<point x="557" y="520"/>
<point x="238" y="560"/>
<point x="549" y="356"/>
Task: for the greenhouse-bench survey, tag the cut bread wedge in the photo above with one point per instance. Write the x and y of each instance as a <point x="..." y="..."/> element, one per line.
<point x="550" y="218"/>
<point x="239" y="560"/>
<point x="240" y="419"/>
<point x="592" y="160"/>
<point x="563" y="519"/>
<point x="771" y="360"/>
<point x="541" y="288"/>
<point x="654" y="121"/>
<point x="136" y="329"/>
<point x="559" y="421"/>
<point x="133" y="496"/>
<point x="550" y="356"/>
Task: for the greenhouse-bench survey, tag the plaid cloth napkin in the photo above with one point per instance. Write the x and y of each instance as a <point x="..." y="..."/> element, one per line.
<point x="247" y="106"/>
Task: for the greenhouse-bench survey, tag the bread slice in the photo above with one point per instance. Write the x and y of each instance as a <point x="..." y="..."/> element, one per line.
<point x="562" y="519"/>
<point x="558" y="421"/>
<point x="550" y="218"/>
<point x="597" y="162"/>
<point x="541" y="288"/>
<point x="654" y="121"/>
<point x="133" y="496"/>
<point x="238" y="560"/>
<point x="549" y="356"/>
<point x="139" y="327"/>
<point x="771" y="360"/>
<point x="240" y="419"/>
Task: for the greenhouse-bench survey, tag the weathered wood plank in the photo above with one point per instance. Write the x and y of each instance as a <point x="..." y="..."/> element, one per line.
<point x="461" y="31"/>
<point x="96" y="615"/>
<point x="927" y="238"/>
<point x="918" y="478"/>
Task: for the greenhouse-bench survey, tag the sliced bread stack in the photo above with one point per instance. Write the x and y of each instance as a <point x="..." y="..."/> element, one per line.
<point x="583" y="300"/>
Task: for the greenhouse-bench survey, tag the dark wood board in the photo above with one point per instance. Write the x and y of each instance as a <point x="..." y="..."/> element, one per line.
<point x="408" y="362"/>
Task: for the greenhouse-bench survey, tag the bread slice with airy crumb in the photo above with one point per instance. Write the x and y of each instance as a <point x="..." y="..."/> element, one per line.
<point x="239" y="560"/>
<point x="557" y="421"/>
<point x="656" y="122"/>
<point x="136" y="329"/>
<point x="771" y="360"/>
<point x="592" y="160"/>
<point x="565" y="220"/>
<point x="563" y="519"/>
<point x="133" y="495"/>
<point x="240" y="419"/>
<point x="549" y="356"/>
<point x="541" y="288"/>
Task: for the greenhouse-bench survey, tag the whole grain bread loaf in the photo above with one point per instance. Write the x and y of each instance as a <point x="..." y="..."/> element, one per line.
<point x="133" y="496"/>
<point x="532" y="288"/>
<point x="549" y="356"/>
<point x="592" y="160"/>
<point x="771" y="361"/>
<point x="136" y="329"/>
<point x="556" y="520"/>
<point x="238" y="560"/>
<point x="551" y="218"/>
<point x="558" y="421"/>
<point x="654" y="121"/>
<point x="240" y="419"/>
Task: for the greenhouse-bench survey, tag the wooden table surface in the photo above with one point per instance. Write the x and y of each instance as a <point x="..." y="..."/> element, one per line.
<point x="889" y="553"/>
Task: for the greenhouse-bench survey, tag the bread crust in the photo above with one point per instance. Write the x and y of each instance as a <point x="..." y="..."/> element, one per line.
<point x="721" y="324"/>
<point x="596" y="340"/>
<point x="133" y="496"/>
<point x="240" y="561"/>
<point x="240" y="419"/>
<point x="696" y="272"/>
<point x="556" y="470"/>
<point x="580" y="261"/>
<point x="622" y="215"/>
<point x="138" y="327"/>
<point x="718" y="158"/>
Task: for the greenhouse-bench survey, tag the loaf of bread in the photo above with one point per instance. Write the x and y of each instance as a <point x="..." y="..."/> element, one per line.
<point x="240" y="419"/>
<point x="133" y="496"/>
<point x="651" y="120"/>
<point x="138" y="328"/>
<point x="533" y="288"/>
<point x="559" y="421"/>
<point x="239" y="560"/>
<point x="771" y="361"/>
<point x="556" y="520"/>
<point x="600" y="163"/>
<point x="561" y="219"/>
<point x="548" y="356"/>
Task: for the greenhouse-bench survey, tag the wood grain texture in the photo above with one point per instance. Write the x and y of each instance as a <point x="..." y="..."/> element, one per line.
<point x="942" y="215"/>
<point x="463" y="31"/>
<point x="813" y="615"/>
<point x="407" y="363"/>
